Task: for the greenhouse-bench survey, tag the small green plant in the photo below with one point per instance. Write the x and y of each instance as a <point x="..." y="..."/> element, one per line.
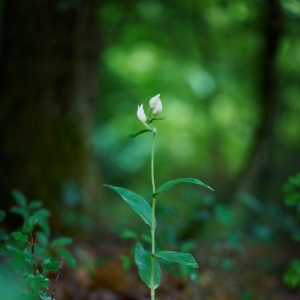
<point x="291" y="276"/>
<point x="147" y="262"/>
<point x="27" y="255"/>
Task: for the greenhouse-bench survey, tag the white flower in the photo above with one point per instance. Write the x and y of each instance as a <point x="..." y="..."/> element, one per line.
<point x="141" y="114"/>
<point x="158" y="107"/>
<point x="153" y="101"/>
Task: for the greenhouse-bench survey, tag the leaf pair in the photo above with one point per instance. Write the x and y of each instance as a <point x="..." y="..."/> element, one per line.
<point x="144" y="259"/>
<point x="141" y="206"/>
<point x="131" y="136"/>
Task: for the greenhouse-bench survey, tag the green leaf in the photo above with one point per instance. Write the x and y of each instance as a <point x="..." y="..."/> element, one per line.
<point x="20" y="198"/>
<point x="67" y="256"/>
<point x="166" y="186"/>
<point x="181" y="258"/>
<point x="62" y="241"/>
<point x="36" y="204"/>
<point x="12" y="250"/>
<point x="38" y="282"/>
<point x="29" y="225"/>
<point x="126" y="262"/>
<point x="144" y="263"/>
<point x="291" y="276"/>
<point x="19" y="211"/>
<point x="33" y="220"/>
<point x="43" y="239"/>
<point x="50" y="265"/>
<point x="296" y="237"/>
<point x="146" y="238"/>
<point x="292" y="199"/>
<point x="43" y="213"/>
<point x="188" y="246"/>
<point x="224" y="215"/>
<point x="4" y="235"/>
<point x="20" y="259"/>
<point x="44" y="296"/>
<point x="138" y="133"/>
<point x="18" y="262"/>
<point x="189" y="272"/>
<point x="19" y="236"/>
<point x="128" y="234"/>
<point x="2" y="215"/>
<point x="156" y="119"/>
<point x="43" y="220"/>
<point x="40" y="250"/>
<point x="137" y="203"/>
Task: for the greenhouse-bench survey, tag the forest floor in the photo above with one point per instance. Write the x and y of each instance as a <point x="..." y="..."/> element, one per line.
<point x="252" y="273"/>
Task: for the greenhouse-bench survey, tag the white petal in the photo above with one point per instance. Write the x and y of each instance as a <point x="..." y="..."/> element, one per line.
<point x="153" y="101"/>
<point x="141" y="114"/>
<point x="158" y="107"/>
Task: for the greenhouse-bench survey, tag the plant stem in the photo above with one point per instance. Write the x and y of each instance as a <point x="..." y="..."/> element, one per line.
<point x="152" y="163"/>
<point x="56" y="279"/>
<point x="153" y="218"/>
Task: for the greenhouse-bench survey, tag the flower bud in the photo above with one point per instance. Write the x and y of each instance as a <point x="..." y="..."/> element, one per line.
<point x="158" y="107"/>
<point x="153" y="101"/>
<point x="141" y="114"/>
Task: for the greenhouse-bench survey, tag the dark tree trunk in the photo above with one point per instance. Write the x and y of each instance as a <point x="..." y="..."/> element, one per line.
<point x="48" y="69"/>
<point x="253" y="172"/>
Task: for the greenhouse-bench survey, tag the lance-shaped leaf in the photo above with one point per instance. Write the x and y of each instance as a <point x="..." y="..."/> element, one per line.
<point x="166" y="186"/>
<point x="144" y="264"/>
<point x="61" y="241"/>
<point x="181" y="258"/>
<point x="138" y="133"/>
<point x="137" y="203"/>
<point x="20" y="198"/>
<point x="67" y="256"/>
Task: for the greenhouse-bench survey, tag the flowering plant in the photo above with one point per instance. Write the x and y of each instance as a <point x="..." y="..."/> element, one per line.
<point x="147" y="263"/>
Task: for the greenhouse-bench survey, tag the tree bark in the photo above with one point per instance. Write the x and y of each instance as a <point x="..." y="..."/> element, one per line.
<point x="48" y="68"/>
<point x="253" y="173"/>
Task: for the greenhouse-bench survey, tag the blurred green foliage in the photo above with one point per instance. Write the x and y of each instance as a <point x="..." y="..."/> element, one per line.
<point x="27" y="255"/>
<point x="291" y="276"/>
<point x="204" y="59"/>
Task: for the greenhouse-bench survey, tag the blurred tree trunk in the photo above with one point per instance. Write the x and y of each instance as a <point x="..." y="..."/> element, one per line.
<point x="253" y="175"/>
<point x="48" y="68"/>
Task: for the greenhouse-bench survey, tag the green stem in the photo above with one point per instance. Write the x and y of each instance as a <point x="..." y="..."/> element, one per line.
<point x="153" y="218"/>
<point x="152" y="163"/>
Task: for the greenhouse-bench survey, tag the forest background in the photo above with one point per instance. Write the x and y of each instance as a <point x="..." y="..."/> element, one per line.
<point x="72" y="74"/>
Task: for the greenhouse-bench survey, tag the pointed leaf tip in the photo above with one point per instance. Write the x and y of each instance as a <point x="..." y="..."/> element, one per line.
<point x="166" y="186"/>
<point x="137" y="203"/>
<point x="178" y="257"/>
<point x="19" y="198"/>
<point x="131" y="136"/>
